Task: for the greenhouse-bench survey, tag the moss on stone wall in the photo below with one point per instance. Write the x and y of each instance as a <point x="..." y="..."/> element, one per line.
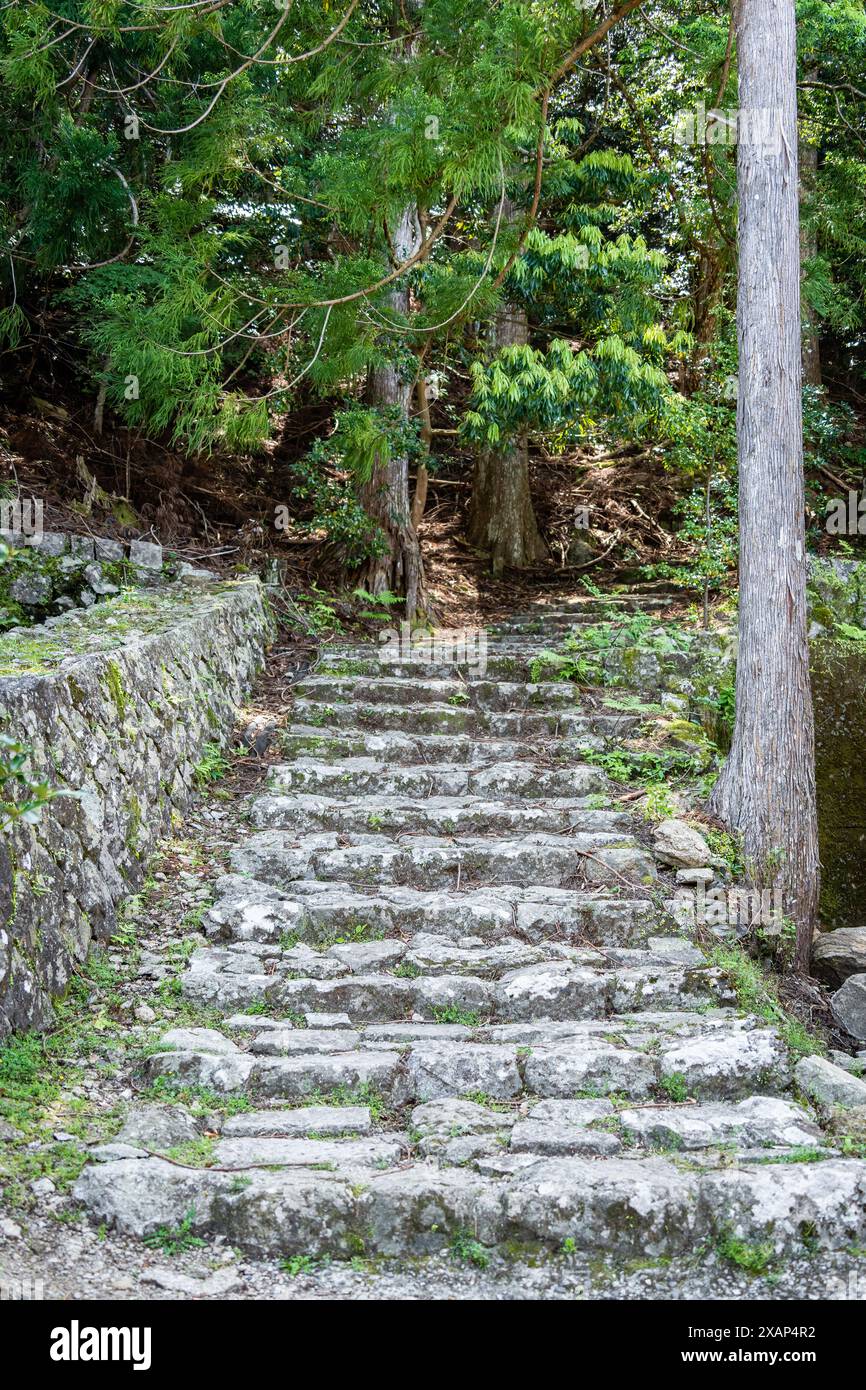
<point x="839" y="696"/>
<point x="114" y="683"/>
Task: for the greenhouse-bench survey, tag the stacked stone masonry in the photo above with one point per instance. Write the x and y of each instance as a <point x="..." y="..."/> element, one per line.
<point x="115" y="709"/>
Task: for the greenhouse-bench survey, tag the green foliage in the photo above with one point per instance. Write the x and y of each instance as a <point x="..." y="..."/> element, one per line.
<point x="523" y="388"/>
<point x="452" y="1013"/>
<point x="197" y="1153"/>
<point x="466" y="1248"/>
<point x="727" y="846"/>
<point x="356" y="932"/>
<point x="296" y="1265"/>
<point x="215" y="240"/>
<point x="175" y="1240"/>
<point x="316" y="612"/>
<point x="752" y="1259"/>
<point x="707" y="524"/>
<point x="549" y="665"/>
<point x="675" y="1087"/>
<point x="643" y="766"/>
<point x="757" y="994"/>
<point x="211" y="766"/>
<point x="657" y="803"/>
<point x="327" y="478"/>
<point x="21" y="798"/>
<point x="377" y="606"/>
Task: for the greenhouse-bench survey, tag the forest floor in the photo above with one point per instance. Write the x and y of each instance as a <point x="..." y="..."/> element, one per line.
<point x="219" y="511"/>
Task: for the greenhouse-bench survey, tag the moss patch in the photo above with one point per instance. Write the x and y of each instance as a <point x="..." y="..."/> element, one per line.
<point x="838" y="673"/>
<point x="114" y="682"/>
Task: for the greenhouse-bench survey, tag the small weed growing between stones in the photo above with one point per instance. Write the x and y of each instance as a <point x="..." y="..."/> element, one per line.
<point x="757" y="994"/>
<point x="407" y="970"/>
<point x="197" y="1099"/>
<point x="489" y="1102"/>
<point x="464" y="1247"/>
<point x="175" y="1240"/>
<point x="675" y="1086"/>
<point x="452" y="1013"/>
<point x="303" y="1264"/>
<point x="801" y="1155"/>
<point x="752" y="1259"/>
<point x="198" y="1153"/>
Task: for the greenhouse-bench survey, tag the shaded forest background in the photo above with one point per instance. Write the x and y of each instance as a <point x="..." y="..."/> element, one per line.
<point x="263" y="266"/>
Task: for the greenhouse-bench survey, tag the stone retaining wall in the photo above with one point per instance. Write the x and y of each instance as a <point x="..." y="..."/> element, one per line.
<point x="116" y="706"/>
<point x="44" y="575"/>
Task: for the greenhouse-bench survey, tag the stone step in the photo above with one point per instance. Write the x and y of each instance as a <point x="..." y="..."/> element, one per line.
<point x="247" y="910"/>
<point x="457" y="1131"/>
<point x="758" y="1122"/>
<point x="388" y="981"/>
<point x="378" y="1152"/>
<point x="723" y="1061"/>
<point x="436" y="815"/>
<point x="438" y="718"/>
<point x="643" y="1030"/>
<point x="511" y="657"/>
<point x="626" y="1207"/>
<point x="429" y="861"/>
<point x="540" y="620"/>
<point x="599" y="606"/>
<point x="355" y="777"/>
<point x="509" y="660"/>
<point x="562" y="617"/>
<point x="328" y="1120"/>
<point x="390" y="747"/>
<point x="462" y="1131"/>
<point x="471" y="693"/>
<point x="545" y="626"/>
<point x="429" y="954"/>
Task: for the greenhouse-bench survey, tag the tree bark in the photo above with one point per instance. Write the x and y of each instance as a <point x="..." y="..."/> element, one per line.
<point x="422" y="476"/>
<point x="767" y="787"/>
<point x="385" y="497"/>
<point x="808" y="158"/>
<point x="501" y="517"/>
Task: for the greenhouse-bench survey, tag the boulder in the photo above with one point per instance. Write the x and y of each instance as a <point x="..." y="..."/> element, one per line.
<point x="694" y="877"/>
<point x="680" y="846"/>
<point x="156" y="1127"/>
<point x="828" y="1084"/>
<point x="849" y="1006"/>
<point x="838" y="954"/>
<point x="849" y="1121"/>
<point x="580" y="552"/>
<point x="145" y="555"/>
<point x="31" y="590"/>
<point x="197" y="1040"/>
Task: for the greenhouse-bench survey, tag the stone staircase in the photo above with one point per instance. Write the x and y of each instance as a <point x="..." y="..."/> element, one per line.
<point x="449" y="1002"/>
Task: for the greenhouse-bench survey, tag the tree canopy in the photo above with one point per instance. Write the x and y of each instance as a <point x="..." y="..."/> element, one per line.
<point x="203" y="204"/>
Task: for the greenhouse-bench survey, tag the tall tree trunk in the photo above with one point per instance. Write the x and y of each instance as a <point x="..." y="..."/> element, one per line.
<point x="501" y="519"/>
<point x="767" y="787"/>
<point x="386" y="496"/>
<point x="808" y="157"/>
